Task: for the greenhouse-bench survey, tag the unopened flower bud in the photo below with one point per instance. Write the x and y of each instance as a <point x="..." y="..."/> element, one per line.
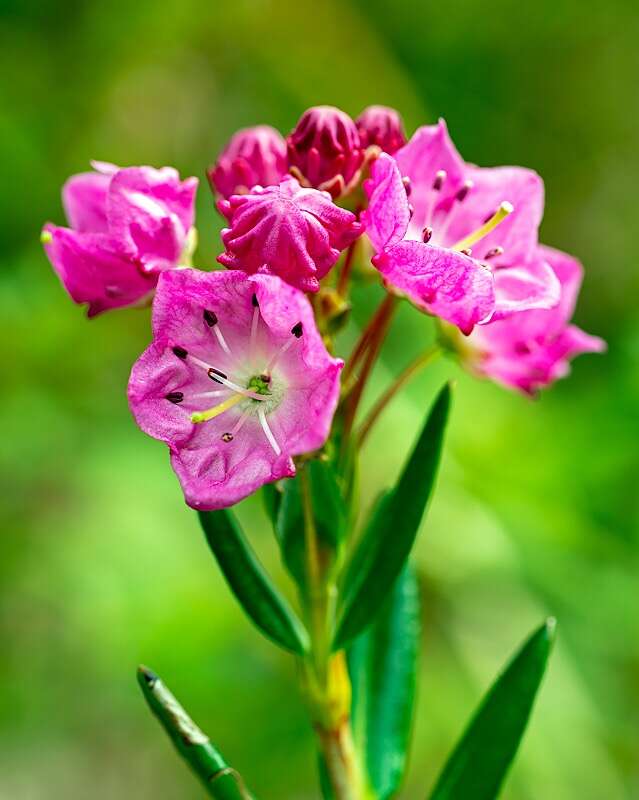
<point x="381" y="126"/>
<point x="324" y="150"/>
<point x="252" y="157"/>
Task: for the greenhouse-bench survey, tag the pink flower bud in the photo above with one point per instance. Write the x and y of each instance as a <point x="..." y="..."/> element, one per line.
<point x="324" y="150"/>
<point x="381" y="126"/>
<point x="253" y="156"/>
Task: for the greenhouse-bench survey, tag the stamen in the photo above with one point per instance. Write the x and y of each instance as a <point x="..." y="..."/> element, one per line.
<point x="174" y="397"/>
<point x="462" y="194"/>
<point x="407" y="185"/>
<point x="297" y="330"/>
<point x="180" y="352"/>
<point x="466" y="251"/>
<point x="203" y="395"/>
<point x="254" y="321"/>
<point x="499" y="216"/>
<point x="268" y="432"/>
<point x="210" y="317"/>
<point x="427" y="234"/>
<point x="228" y="437"/>
<point x="220" y="377"/>
<point x="211" y="413"/>
<point x="496" y="251"/>
<point x="440" y="177"/>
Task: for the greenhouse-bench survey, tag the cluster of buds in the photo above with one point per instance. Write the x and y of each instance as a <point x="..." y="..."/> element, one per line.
<point x="238" y="380"/>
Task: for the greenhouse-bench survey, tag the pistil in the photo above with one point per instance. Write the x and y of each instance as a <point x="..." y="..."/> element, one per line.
<point x="499" y="216"/>
<point x="211" y="413"/>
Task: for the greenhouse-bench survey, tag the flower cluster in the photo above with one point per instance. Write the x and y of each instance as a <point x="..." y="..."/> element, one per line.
<point x="239" y="379"/>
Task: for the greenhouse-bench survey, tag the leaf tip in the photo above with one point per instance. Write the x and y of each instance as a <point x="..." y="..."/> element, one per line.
<point x="550" y="627"/>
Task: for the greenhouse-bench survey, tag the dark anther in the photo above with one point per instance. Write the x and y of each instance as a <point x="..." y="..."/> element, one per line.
<point x="411" y="211"/>
<point x="496" y="251"/>
<point x="427" y="234"/>
<point x="174" y="397"/>
<point x="466" y="251"/>
<point x="297" y="330"/>
<point x="180" y="352"/>
<point x="463" y="192"/>
<point x="407" y="185"/>
<point x="227" y="437"/>
<point x="440" y="177"/>
<point x="489" y="216"/>
<point x="210" y="317"/>
<point x="212" y="375"/>
<point x="254" y="301"/>
<point x="266" y="378"/>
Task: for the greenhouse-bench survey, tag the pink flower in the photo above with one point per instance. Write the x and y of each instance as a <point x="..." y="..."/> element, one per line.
<point x="382" y="127"/>
<point x="324" y="150"/>
<point x="286" y="230"/>
<point x="236" y="382"/>
<point x="462" y="223"/>
<point x="252" y="157"/>
<point x="532" y="349"/>
<point x="127" y="226"/>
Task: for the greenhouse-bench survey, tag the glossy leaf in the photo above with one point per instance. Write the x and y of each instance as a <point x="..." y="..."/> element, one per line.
<point x="250" y="583"/>
<point x="382" y="663"/>
<point x="221" y="782"/>
<point x="329" y="514"/>
<point x="479" y="763"/>
<point x="387" y="541"/>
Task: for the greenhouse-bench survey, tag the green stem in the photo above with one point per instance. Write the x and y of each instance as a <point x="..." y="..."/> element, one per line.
<point x="221" y="781"/>
<point x="423" y="360"/>
<point x="325" y="676"/>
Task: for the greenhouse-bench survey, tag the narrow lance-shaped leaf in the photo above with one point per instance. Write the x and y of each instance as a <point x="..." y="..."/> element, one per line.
<point x="329" y="515"/>
<point x="382" y="663"/>
<point x="221" y="782"/>
<point x="478" y="765"/>
<point x="389" y="536"/>
<point x="250" y="583"/>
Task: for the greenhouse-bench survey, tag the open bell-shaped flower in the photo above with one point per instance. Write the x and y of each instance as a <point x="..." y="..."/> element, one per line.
<point x="531" y="349"/>
<point x="237" y="381"/>
<point x="286" y="230"/>
<point x="443" y="245"/>
<point x="126" y="227"/>
<point x="253" y="156"/>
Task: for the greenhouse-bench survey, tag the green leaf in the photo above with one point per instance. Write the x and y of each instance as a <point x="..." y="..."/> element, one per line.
<point x="387" y="541"/>
<point x="250" y="583"/>
<point x="329" y="514"/>
<point x="271" y="499"/>
<point x="478" y="765"/>
<point x="382" y="663"/>
<point x="221" y="782"/>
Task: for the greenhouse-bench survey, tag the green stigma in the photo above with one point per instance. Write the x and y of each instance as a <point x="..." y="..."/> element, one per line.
<point x="46" y="237"/>
<point x="260" y="384"/>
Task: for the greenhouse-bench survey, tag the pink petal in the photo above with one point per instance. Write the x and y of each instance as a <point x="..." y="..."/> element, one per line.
<point x="84" y="197"/>
<point x="445" y="283"/>
<point x="93" y="272"/>
<point x="388" y="214"/>
<point x="525" y="287"/>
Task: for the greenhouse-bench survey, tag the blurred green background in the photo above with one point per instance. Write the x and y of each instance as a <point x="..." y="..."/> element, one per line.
<point x="101" y="564"/>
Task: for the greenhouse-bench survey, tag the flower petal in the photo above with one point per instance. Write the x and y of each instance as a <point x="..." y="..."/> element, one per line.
<point x="84" y="198"/>
<point x="93" y="272"/>
<point x="388" y="214"/>
<point x="525" y="287"/>
<point x="445" y="283"/>
<point x="150" y="213"/>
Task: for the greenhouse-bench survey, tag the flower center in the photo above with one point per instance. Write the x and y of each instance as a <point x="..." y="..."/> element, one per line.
<point x="442" y="218"/>
<point x="257" y="396"/>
